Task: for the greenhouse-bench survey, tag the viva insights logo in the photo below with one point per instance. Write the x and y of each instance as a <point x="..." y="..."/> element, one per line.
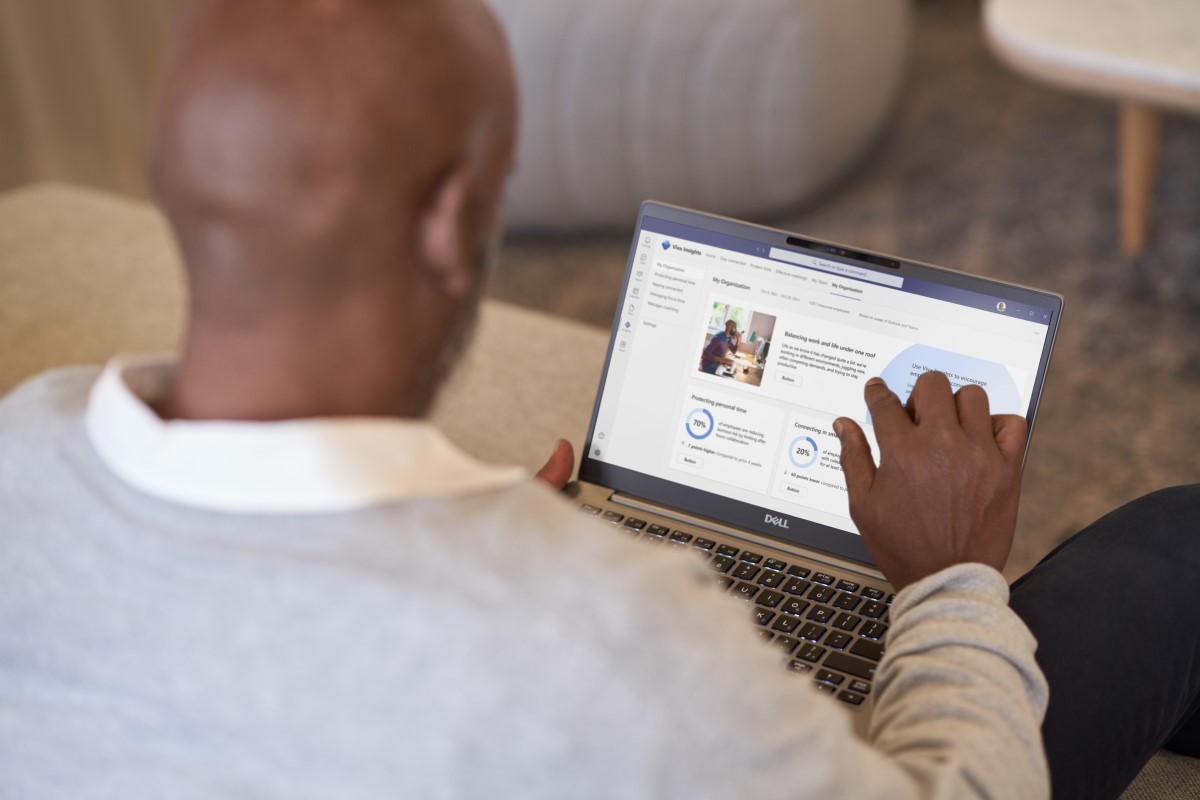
<point x="666" y="244"/>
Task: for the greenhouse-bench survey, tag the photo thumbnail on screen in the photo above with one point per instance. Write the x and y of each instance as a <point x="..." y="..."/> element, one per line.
<point x="736" y="343"/>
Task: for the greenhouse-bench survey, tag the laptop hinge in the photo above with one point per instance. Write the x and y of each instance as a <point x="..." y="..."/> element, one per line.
<point x="841" y="564"/>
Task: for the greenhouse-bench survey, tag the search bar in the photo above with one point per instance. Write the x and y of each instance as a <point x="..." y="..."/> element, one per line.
<point x="836" y="268"/>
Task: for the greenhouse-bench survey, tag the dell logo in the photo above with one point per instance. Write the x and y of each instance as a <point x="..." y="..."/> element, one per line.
<point x="778" y="522"/>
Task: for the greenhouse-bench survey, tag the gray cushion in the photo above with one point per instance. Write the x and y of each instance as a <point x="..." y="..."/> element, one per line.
<point x="737" y="107"/>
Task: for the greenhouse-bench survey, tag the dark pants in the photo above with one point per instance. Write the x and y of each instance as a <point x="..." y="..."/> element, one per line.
<point x="1116" y="612"/>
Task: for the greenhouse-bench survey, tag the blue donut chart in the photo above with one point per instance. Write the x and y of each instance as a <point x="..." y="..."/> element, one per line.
<point x="705" y="431"/>
<point x="816" y="452"/>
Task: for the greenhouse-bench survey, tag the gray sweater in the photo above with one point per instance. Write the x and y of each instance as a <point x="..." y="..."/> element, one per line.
<point x="494" y="645"/>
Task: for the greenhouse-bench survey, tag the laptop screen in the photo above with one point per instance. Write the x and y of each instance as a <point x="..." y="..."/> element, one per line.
<point x="735" y="347"/>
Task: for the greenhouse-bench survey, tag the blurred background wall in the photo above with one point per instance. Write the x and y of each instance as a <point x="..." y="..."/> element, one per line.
<point x="76" y="86"/>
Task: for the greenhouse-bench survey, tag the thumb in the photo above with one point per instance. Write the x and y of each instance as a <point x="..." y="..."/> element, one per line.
<point x="558" y="469"/>
<point x="1011" y="432"/>
<point x="857" y="464"/>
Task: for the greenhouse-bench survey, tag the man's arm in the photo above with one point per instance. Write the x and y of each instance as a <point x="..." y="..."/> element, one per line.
<point x="959" y="697"/>
<point x="959" y="688"/>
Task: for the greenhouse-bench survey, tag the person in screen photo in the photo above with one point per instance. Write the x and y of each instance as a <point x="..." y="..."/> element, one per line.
<point x="720" y="349"/>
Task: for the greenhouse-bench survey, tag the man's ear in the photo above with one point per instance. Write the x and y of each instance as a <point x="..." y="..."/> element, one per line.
<point x="442" y="235"/>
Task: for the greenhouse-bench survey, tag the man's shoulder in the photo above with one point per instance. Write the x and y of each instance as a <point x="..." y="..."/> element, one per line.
<point x="536" y="537"/>
<point x="53" y="395"/>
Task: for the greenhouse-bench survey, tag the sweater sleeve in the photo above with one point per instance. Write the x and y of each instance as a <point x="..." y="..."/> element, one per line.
<point x="959" y="697"/>
<point x="959" y="701"/>
<point x="672" y="694"/>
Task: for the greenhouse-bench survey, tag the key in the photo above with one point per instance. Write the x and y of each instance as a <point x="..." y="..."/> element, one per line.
<point x="873" y="630"/>
<point x="745" y="572"/>
<point x="810" y="652"/>
<point x="867" y="649"/>
<point x="820" y="614"/>
<point x="838" y="640"/>
<point x="785" y="643"/>
<point x="821" y="594"/>
<point x="796" y="586"/>
<point x="847" y="602"/>
<point x="794" y="605"/>
<point x="830" y="677"/>
<point x="854" y="666"/>
<point x="769" y="598"/>
<point x="745" y="591"/>
<point x="813" y="632"/>
<point x="847" y="622"/>
<point x="722" y="563"/>
<point x="873" y="609"/>
<point x="770" y="579"/>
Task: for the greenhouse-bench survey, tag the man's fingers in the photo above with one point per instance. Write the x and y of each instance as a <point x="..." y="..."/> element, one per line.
<point x="932" y="398"/>
<point x="974" y="411"/>
<point x="857" y="465"/>
<point x="558" y="469"/>
<point x="887" y="415"/>
<point x="1011" y="432"/>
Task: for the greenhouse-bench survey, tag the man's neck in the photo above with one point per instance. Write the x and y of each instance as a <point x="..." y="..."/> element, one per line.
<point x="230" y="380"/>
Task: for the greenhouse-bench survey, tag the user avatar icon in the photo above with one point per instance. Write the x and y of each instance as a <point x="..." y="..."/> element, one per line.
<point x="1001" y="307"/>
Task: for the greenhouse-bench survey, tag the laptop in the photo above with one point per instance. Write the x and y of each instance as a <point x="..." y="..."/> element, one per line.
<point x="733" y="349"/>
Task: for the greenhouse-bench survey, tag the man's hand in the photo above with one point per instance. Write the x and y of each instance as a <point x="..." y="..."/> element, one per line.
<point x="558" y="469"/>
<point x="948" y="483"/>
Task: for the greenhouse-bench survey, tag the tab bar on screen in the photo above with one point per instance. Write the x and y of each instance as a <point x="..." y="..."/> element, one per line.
<point x="836" y="268"/>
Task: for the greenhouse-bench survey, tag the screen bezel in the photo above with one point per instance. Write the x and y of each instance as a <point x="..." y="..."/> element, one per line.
<point x="778" y="525"/>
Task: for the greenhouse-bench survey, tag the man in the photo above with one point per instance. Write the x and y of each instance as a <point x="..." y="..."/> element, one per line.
<point x="720" y="349"/>
<point x="257" y="572"/>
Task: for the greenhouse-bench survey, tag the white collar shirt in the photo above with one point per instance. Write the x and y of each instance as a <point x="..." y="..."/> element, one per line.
<point x="301" y="466"/>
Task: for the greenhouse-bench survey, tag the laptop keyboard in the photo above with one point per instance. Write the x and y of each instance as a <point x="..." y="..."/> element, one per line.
<point x="825" y="626"/>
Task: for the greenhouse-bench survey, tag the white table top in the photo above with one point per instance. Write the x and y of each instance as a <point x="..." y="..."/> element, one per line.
<point x="1145" y="50"/>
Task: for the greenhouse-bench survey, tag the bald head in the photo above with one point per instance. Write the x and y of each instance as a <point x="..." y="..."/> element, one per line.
<point x="326" y="164"/>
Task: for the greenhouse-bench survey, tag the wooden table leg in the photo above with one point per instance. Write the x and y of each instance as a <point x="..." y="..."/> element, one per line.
<point x="1139" y="134"/>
